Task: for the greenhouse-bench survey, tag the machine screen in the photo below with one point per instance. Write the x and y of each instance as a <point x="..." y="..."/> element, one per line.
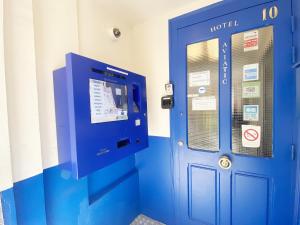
<point x="108" y="101"/>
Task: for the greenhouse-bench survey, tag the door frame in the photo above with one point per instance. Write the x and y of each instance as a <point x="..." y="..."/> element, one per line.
<point x="207" y="13"/>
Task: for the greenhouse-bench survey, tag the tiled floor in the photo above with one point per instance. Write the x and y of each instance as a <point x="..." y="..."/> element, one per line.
<point x="140" y="220"/>
<point x="144" y="220"/>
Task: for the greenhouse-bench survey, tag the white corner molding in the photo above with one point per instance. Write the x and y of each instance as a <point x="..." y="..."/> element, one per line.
<point x="55" y="34"/>
<point x="21" y="86"/>
<point x="5" y="160"/>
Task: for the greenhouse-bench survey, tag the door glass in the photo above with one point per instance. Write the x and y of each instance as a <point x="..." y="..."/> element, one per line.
<point x="203" y="95"/>
<point x="252" y="92"/>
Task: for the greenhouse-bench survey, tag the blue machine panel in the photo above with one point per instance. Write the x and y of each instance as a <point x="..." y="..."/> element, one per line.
<point x="101" y="114"/>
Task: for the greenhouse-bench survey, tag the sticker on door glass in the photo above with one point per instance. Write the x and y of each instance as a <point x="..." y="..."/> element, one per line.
<point x="251" y="72"/>
<point x="202" y="90"/>
<point x="251" y="40"/>
<point x="208" y="103"/>
<point x="251" y="89"/>
<point x="192" y="95"/>
<point x="201" y="78"/>
<point x="251" y="136"/>
<point x="251" y="113"/>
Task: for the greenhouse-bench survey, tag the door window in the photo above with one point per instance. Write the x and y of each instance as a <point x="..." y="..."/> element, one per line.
<point x="252" y="92"/>
<point x="203" y="95"/>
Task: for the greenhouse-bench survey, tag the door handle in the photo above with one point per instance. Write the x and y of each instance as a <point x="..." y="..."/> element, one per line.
<point x="225" y="162"/>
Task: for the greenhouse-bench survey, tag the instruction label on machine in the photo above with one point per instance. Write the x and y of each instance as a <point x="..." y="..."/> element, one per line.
<point x="251" y="113"/>
<point x="118" y="91"/>
<point x="106" y="106"/>
<point x="251" y="89"/>
<point x="201" y="78"/>
<point x="208" y="103"/>
<point x="251" y="40"/>
<point x="251" y="136"/>
<point x="251" y="72"/>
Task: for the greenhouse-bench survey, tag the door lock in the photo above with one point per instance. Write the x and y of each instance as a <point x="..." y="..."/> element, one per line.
<point x="225" y="162"/>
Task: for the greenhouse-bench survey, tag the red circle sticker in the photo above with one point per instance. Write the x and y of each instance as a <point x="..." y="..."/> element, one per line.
<point x="251" y="135"/>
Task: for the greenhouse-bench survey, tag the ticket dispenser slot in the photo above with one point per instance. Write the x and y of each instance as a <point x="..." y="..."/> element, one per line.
<point x="123" y="143"/>
<point x="96" y="106"/>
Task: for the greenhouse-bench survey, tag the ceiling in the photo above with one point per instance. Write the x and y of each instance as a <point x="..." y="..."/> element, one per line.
<point x="135" y="11"/>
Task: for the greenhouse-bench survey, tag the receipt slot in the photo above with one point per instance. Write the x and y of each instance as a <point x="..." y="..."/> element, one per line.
<point x="101" y="114"/>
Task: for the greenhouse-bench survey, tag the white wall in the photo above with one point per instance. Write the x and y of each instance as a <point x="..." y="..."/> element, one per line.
<point x="70" y="26"/>
<point x="150" y="56"/>
<point x="22" y="96"/>
<point x="37" y="35"/>
<point x="5" y="160"/>
<point x="94" y="39"/>
<point x="56" y="33"/>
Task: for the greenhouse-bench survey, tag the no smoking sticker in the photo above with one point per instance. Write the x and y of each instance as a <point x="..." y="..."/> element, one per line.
<point x="251" y="136"/>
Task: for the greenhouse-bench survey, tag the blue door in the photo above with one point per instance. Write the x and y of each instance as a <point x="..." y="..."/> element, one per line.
<point x="233" y="121"/>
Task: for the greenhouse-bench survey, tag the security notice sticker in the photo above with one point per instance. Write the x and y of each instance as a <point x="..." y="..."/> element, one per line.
<point x="251" y="40"/>
<point x="251" y="72"/>
<point x="251" y="113"/>
<point x="201" y="78"/>
<point x="204" y="103"/>
<point x="251" y="89"/>
<point x="251" y="136"/>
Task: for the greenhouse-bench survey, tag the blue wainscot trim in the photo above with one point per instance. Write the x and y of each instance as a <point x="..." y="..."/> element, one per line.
<point x="8" y="207"/>
<point x="65" y="198"/>
<point x="108" y="196"/>
<point x="115" y="195"/>
<point x="155" y="166"/>
<point x="30" y="201"/>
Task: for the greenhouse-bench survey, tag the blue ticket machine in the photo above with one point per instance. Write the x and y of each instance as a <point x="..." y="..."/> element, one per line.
<point x="101" y="114"/>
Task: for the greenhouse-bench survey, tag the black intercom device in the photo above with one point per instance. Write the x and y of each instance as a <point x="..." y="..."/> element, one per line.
<point x="167" y="101"/>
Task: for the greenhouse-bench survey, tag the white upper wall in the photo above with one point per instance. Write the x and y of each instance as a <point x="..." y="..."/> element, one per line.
<point x="95" y="24"/>
<point x="5" y="160"/>
<point x="38" y="34"/>
<point x="150" y="56"/>
<point x="21" y="84"/>
<point x="134" y="12"/>
<point x="56" y="33"/>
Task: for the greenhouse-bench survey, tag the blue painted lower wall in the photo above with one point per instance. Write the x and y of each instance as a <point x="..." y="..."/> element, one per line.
<point x="155" y="176"/>
<point x="30" y="201"/>
<point x="114" y="195"/>
<point x="8" y="207"/>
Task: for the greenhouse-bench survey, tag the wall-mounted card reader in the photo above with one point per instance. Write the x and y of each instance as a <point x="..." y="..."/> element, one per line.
<point x="101" y="114"/>
<point x="167" y="101"/>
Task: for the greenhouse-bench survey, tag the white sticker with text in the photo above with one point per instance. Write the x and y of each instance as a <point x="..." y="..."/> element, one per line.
<point x="201" y="78"/>
<point x="204" y="103"/>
